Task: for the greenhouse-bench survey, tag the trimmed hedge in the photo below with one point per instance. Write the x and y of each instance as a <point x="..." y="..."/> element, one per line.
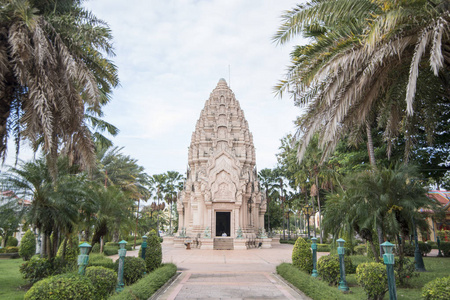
<point x="147" y="286"/>
<point x="302" y="255"/>
<point x="38" y="268"/>
<point x="153" y="252"/>
<point x="64" y="286"/>
<point x="103" y="279"/>
<point x="329" y="269"/>
<point x="323" y="247"/>
<point x="11" y="242"/>
<point x="437" y="289"/>
<point x="110" y="250"/>
<point x="100" y="260"/>
<point x="27" y="245"/>
<point x="9" y="249"/>
<point x="134" y="268"/>
<point x="445" y="248"/>
<point x="312" y="287"/>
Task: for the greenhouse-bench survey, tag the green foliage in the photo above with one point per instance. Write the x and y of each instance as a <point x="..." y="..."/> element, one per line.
<point x="96" y="248"/>
<point x="72" y="249"/>
<point x="438" y="289"/>
<point x="153" y="253"/>
<point x="27" y="245"/>
<point x="323" y="247"/>
<point x="12" y="242"/>
<point x="110" y="250"/>
<point x="312" y="287"/>
<point x="424" y="248"/>
<point x="64" y="286"/>
<point x="372" y="277"/>
<point x="100" y="260"/>
<point x="103" y="279"/>
<point x="360" y="249"/>
<point x="445" y="248"/>
<point x="147" y="286"/>
<point x="407" y="271"/>
<point x="302" y="255"/>
<point x="369" y="248"/>
<point x="408" y="249"/>
<point x="329" y="269"/>
<point x="134" y="268"/>
<point x="38" y="268"/>
<point x="10" y="249"/>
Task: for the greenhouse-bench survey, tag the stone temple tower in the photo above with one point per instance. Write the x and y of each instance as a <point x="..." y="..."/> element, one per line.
<point x="221" y="201"/>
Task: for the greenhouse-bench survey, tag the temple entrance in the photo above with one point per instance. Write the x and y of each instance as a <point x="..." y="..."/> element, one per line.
<point x="223" y="223"/>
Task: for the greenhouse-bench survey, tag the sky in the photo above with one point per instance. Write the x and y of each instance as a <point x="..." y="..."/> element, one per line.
<point x="171" y="55"/>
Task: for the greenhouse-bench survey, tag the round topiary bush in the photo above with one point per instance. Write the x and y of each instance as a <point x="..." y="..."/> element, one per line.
<point x="38" y="268"/>
<point x="302" y="255"/>
<point x="96" y="248"/>
<point x="64" y="286"/>
<point x="133" y="269"/>
<point x="27" y="245"/>
<point x="372" y="277"/>
<point x="72" y="249"/>
<point x="329" y="269"/>
<point x="437" y="289"/>
<point x="11" y="242"/>
<point x="103" y="279"/>
<point x="153" y="253"/>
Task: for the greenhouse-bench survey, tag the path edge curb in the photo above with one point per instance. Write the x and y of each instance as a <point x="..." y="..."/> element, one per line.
<point x="162" y="289"/>
<point x="291" y="286"/>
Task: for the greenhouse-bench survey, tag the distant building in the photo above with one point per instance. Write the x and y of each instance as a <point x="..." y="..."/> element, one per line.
<point x="443" y="198"/>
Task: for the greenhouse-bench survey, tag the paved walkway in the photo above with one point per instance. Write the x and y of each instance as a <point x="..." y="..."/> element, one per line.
<point x="228" y="274"/>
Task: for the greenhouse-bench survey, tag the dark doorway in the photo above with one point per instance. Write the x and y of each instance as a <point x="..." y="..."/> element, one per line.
<point x="223" y="223"/>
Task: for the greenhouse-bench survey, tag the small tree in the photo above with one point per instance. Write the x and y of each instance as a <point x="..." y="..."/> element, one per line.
<point x="27" y="245"/>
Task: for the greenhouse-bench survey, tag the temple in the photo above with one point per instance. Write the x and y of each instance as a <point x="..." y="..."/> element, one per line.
<point x="221" y="206"/>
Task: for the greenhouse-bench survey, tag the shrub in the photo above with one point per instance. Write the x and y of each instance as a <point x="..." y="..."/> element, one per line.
<point x="361" y="250"/>
<point x="27" y="245"/>
<point x="153" y="253"/>
<point x="323" y="248"/>
<point x="445" y="248"/>
<point x="9" y="249"/>
<point x="38" y="268"/>
<point x="407" y="272"/>
<point x="372" y="277"/>
<point x="424" y="248"/>
<point x="64" y="286"/>
<point x="103" y="279"/>
<point x="147" y="286"/>
<point x="302" y="255"/>
<point x="11" y="242"/>
<point x="134" y="268"/>
<point x="408" y="249"/>
<point x="110" y="250"/>
<point x="95" y="248"/>
<point x="329" y="269"/>
<point x="72" y="249"/>
<point x="100" y="260"/>
<point x="369" y="249"/>
<point x="437" y="289"/>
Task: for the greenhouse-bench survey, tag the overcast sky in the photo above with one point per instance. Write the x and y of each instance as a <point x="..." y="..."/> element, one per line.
<point x="171" y="54"/>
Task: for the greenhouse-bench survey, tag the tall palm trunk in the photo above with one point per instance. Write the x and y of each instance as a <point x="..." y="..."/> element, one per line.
<point x="320" y="211"/>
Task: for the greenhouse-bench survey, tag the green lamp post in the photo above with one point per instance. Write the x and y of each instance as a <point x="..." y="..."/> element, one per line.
<point x="83" y="258"/>
<point x="418" y="260"/>
<point x="143" y="247"/>
<point x="439" y="247"/>
<point x="388" y="258"/>
<point x="314" y="255"/>
<point x="122" y="254"/>
<point x="341" y="251"/>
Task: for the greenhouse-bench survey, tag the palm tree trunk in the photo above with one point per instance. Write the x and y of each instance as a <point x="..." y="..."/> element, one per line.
<point x="374" y="251"/>
<point x="370" y="148"/>
<point x="380" y="238"/>
<point x="320" y="211"/>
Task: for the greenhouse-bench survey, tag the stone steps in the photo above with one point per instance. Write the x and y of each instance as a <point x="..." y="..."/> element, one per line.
<point x="223" y="244"/>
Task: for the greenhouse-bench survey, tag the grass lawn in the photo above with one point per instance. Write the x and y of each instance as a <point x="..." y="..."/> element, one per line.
<point x="436" y="267"/>
<point x="11" y="280"/>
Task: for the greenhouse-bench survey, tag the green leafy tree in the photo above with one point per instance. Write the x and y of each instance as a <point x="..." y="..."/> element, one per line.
<point x="27" y="245"/>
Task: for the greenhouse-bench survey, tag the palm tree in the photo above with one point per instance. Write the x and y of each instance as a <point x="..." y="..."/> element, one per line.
<point x="267" y="179"/>
<point x="174" y="185"/>
<point x="53" y="70"/>
<point x="356" y="48"/>
<point x="54" y="204"/>
<point x="159" y="182"/>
